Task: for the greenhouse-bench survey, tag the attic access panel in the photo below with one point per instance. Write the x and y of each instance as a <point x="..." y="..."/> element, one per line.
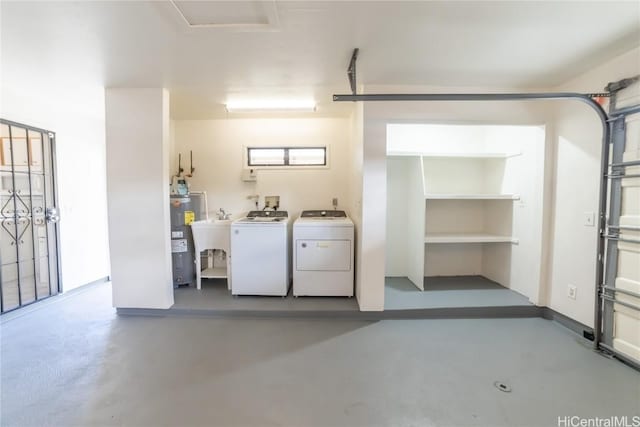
<point x="227" y="14"/>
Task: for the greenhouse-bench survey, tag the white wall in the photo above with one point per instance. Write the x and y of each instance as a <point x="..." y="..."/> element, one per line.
<point x="374" y="210"/>
<point x="74" y="110"/>
<point x="355" y="164"/>
<point x="396" y="228"/>
<point x="577" y="139"/>
<point x="218" y="147"/>
<point x="172" y="146"/>
<point x="138" y="140"/>
<point x="523" y="175"/>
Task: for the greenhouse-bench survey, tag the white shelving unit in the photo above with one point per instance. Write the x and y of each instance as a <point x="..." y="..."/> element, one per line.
<point x="474" y="203"/>
<point x="468" y="238"/>
<point x="214" y="273"/>
<point x="463" y="209"/>
<point x="468" y="211"/>
<point x="434" y="196"/>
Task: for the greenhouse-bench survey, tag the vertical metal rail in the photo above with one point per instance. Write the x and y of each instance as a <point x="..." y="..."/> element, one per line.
<point x="1" y="289"/>
<point x="44" y="204"/>
<point x="54" y="198"/>
<point x="15" y="214"/>
<point x="30" y="217"/>
<point x="1" y="280"/>
<point x="602" y="224"/>
<point x="584" y="98"/>
<point x="618" y="135"/>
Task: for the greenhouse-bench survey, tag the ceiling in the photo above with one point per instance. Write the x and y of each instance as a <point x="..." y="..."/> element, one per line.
<point x="208" y="52"/>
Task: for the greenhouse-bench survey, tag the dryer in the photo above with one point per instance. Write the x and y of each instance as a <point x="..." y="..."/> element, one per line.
<point x="323" y="248"/>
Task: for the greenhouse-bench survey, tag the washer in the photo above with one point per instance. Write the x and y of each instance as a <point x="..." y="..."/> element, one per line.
<point x="323" y="254"/>
<point x="260" y="254"/>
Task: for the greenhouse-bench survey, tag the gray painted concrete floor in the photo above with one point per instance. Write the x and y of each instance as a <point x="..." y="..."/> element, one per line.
<point x="447" y="292"/>
<point x="214" y="295"/>
<point x="75" y="362"/>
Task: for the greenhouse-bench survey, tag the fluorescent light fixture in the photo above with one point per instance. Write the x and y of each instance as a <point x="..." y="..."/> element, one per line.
<point x="262" y="105"/>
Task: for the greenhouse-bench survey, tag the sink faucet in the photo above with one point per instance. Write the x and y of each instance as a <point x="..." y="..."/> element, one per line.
<point x="222" y="214"/>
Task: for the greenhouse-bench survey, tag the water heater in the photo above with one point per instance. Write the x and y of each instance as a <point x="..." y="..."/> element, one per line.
<point x="183" y="213"/>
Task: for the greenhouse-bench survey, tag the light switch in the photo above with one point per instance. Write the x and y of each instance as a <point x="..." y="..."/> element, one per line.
<point x="589" y="219"/>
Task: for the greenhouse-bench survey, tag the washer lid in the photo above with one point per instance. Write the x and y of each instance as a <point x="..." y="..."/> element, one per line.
<point x="329" y="214"/>
<point x="268" y="214"/>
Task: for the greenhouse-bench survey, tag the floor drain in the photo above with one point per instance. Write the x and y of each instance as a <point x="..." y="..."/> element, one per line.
<point x="502" y="387"/>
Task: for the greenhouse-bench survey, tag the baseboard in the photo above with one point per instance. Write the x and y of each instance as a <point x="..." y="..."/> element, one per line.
<point x="498" y="312"/>
<point x="251" y="314"/>
<point x="489" y="312"/>
<point x="80" y="288"/>
<point x="567" y="322"/>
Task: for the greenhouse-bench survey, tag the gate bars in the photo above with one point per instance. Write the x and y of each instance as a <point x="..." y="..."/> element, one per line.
<point x="15" y="197"/>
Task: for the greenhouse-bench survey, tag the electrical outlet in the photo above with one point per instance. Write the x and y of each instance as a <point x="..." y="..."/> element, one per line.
<point x="589" y="219"/>
<point x="572" y="291"/>
<point x="334" y="202"/>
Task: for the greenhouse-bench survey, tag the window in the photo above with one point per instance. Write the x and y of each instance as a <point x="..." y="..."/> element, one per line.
<point x="267" y="156"/>
<point x="287" y="156"/>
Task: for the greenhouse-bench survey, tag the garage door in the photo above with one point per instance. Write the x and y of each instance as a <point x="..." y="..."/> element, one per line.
<point x="620" y="292"/>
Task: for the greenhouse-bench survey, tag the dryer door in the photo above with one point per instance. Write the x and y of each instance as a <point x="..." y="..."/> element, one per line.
<point x="323" y="255"/>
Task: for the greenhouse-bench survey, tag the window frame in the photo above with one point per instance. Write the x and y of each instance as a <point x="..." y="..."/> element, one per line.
<point x="286" y="165"/>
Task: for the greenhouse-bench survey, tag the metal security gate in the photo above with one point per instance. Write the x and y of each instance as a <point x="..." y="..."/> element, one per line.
<point x="28" y="217"/>
<point x="618" y="310"/>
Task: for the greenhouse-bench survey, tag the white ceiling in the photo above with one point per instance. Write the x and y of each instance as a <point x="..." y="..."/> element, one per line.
<point x="303" y="48"/>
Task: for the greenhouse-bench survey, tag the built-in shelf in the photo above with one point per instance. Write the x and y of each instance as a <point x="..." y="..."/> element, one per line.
<point x="467" y="238"/>
<point x="432" y="196"/>
<point x="214" y="273"/>
<point x="452" y="155"/>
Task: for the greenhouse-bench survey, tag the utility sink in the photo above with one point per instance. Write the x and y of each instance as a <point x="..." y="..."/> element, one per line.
<point x="211" y="234"/>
